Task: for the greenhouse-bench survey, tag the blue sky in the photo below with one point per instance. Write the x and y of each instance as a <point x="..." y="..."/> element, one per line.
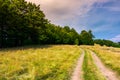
<point x="100" y="16"/>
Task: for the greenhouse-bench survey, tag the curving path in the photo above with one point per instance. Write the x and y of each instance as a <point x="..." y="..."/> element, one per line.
<point x="78" y="73"/>
<point x="110" y="75"/>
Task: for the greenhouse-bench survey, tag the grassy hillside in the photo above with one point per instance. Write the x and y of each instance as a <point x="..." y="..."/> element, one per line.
<point x="38" y="62"/>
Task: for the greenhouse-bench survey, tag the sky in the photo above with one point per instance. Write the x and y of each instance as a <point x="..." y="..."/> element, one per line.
<point x="100" y="16"/>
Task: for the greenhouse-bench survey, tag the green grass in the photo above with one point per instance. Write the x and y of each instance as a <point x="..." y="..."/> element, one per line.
<point x="109" y="56"/>
<point x="90" y="70"/>
<point x="38" y="63"/>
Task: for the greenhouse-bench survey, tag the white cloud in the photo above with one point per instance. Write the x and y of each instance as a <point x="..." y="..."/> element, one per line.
<point x="116" y="38"/>
<point x="65" y="11"/>
<point x="75" y="13"/>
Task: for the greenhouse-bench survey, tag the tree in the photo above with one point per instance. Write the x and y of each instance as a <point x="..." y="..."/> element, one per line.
<point x="23" y="23"/>
<point x="76" y="41"/>
<point x="86" y="37"/>
<point x="106" y="42"/>
<point x="20" y="22"/>
<point x="119" y="43"/>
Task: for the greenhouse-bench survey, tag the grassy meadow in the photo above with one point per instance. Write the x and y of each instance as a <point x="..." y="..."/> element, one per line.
<point x="55" y="62"/>
<point x="110" y="56"/>
<point x="38" y="62"/>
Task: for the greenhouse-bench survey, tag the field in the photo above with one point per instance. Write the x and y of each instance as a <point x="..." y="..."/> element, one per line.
<point x="110" y="56"/>
<point x="58" y="62"/>
<point x="38" y="63"/>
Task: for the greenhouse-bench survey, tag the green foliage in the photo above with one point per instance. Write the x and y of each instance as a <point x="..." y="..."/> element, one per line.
<point x="106" y="42"/>
<point x="23" y="23"/>
<point x="19" y="21"/>
<point x="77" y="42"/>
<point x="87" y="37"/>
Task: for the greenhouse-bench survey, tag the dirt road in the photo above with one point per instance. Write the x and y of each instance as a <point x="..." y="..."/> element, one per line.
<point x="77" y="74"/>
<point x="109" y="74"/>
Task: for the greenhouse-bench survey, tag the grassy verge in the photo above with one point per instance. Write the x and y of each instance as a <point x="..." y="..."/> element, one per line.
<point x="91" y="72"/>
<point x="109" y="57"/>
<point x="38" y="63"/>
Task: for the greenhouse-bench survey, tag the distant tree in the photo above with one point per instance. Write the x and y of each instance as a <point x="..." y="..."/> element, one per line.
<point x="106" y="42"/>
<point x="86" y="37"/>
<point x="76" y="42"/>
<point x="119" y="43"/>
<point x="90" y="33"/>
<point x="99" y="41"/>
<point x="67" y="28"/>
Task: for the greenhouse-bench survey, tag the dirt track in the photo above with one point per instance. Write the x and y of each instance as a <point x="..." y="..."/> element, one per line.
<point x="77" y="74"/>
<point x="110" y="75"/>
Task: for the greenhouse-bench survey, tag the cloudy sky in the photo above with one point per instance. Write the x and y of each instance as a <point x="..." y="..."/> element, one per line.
<point x="101" y="16"/>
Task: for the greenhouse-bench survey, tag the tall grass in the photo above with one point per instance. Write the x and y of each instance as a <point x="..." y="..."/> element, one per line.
<point x="38" y="63"/>
<point x="110" y="56"/>
<point x="91" y="71"/>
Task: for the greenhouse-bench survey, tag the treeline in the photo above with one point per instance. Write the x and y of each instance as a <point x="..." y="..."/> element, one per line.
<point x="109" y="43"/>
<point x="23" y="23"/>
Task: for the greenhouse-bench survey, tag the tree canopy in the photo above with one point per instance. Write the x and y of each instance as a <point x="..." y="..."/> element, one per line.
<point x="23" y="23"/>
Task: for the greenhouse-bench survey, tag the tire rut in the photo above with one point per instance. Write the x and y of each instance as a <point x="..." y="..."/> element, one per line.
<point x="77" y="74"/>
<point x="109" y="74"/>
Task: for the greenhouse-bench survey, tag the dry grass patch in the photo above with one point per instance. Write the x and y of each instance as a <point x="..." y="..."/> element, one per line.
<point x="38" y="63"/>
